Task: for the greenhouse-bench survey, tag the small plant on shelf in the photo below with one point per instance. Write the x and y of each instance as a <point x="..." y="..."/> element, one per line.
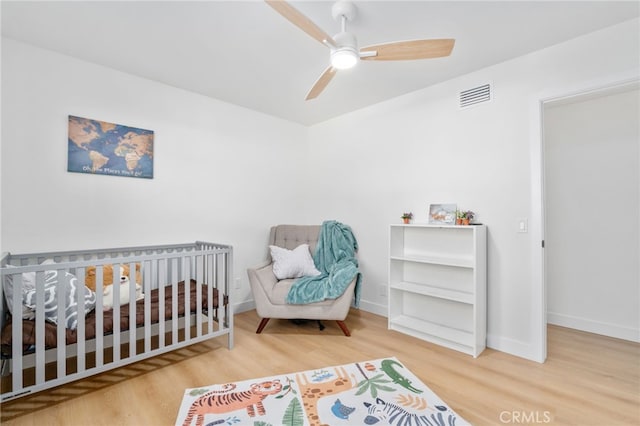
<point x="406" y="217"/>
<point x="464" y="217"/>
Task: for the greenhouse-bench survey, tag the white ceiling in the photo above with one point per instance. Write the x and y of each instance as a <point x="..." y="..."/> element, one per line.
<point x="245" y="53"/>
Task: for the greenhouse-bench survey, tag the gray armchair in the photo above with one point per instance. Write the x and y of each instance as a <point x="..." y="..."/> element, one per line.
<point x="270" y="293"/>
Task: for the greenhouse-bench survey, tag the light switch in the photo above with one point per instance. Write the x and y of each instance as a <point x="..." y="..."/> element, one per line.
<point x="523" y="225"/>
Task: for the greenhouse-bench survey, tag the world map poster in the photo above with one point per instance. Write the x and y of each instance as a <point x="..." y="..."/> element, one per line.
<point x="99" y="147"/>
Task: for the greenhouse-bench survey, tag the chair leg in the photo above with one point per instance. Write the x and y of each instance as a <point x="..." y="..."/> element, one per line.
<point x="263" y="323"/>
<point x="344" y="328"/>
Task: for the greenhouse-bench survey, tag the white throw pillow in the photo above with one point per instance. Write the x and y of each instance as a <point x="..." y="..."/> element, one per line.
<point x="294" y="263"/>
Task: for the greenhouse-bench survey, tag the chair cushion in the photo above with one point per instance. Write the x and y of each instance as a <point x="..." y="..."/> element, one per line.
<point x="294" y="263"/>
<point x="277" y="295"/>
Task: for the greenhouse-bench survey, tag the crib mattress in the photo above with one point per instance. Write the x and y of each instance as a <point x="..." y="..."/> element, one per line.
<point x="51" y="337"/>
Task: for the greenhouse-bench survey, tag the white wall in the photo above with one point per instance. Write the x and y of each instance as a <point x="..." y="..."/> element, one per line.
<point x="592" y="189"/>
<point x="374" y="164"/>
<point x="218" y="172"/>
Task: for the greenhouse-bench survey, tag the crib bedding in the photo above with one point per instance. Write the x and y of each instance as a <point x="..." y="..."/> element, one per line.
<point x="28" y="326"/>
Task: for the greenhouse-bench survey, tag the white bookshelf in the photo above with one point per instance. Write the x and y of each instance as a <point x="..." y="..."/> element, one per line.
<point x="438" y="284"/>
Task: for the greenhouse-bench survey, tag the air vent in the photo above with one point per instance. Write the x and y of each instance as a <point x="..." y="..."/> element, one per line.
<point x="475" y="96"/>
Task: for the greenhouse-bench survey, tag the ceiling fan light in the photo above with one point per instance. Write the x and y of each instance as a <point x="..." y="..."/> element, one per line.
<point x="344" y="58"/>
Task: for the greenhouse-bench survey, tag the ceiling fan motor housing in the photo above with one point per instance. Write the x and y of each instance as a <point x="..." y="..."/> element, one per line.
<point x="346" y="40"/>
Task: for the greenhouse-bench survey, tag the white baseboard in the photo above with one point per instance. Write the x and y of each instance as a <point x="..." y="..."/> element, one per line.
<point x="244" y="306"/>
<point x="513" y="347"/>
<point x="597" y="327"/>
<point x="374" y="308"/>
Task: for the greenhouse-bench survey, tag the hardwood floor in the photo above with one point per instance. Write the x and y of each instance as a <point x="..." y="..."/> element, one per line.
<point x="587" y="379"/>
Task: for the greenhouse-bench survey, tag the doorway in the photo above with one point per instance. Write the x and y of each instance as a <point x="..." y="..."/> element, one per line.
<point x="592" y="189"/>
<point x="596" y="238"/>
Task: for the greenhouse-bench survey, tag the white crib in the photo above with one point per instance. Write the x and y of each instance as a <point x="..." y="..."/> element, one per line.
<point x="185" y="300"/>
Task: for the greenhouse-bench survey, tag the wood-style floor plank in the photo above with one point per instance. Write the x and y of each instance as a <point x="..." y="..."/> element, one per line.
<point x="587" y="379"/>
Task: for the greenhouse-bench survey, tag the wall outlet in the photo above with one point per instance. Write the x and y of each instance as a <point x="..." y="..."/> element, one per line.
<point x="382" y="290"/>
<point x="238" y="283"/>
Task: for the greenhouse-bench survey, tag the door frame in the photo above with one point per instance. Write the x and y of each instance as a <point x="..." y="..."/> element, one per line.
<point x="612" y="83"/>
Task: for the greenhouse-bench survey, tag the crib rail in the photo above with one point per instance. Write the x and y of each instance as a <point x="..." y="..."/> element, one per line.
<point x="163" y="268"/>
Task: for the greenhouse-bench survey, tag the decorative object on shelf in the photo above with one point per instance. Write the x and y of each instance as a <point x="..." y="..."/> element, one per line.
<point x="464" y="217"/>
<point x="442" y="214"/>
<point x="406" y="217"/>
<point x="98" y="147"/>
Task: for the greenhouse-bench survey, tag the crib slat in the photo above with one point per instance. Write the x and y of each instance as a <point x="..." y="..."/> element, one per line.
<point x="212" y="277"/>
<point x="16" y="330"/>
<point x="174" y="301"/>
<point x="186" y="268"/>
<point x="40" y="347"/>
<point x="149" y="274"/>
<point x="206" y="278"/>
<point x="132" y="308"/>
<point x="80" y="328"/>
<point x="162" y="277"/>
<point x="220" y="259"/>
<point x="99" y="317"/>
<point x="116" y="319"/>
<point x="199" y="265"/>
<point x="60" y="329"/>
<point x="227" y="322"/>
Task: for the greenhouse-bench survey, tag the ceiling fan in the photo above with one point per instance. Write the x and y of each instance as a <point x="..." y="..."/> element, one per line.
<point x="344" y="47"/>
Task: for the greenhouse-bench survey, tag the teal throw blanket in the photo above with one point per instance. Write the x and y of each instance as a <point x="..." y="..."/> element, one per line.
<point x="335" y="259"/>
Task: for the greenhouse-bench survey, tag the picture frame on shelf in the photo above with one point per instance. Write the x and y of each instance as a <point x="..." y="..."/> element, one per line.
<point x="442" y="214"/>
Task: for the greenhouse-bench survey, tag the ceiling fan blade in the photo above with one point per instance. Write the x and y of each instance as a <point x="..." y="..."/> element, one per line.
<point x="301" y="21"/>
<point x="321" y="83"/>
<point x="407" y="50"/>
